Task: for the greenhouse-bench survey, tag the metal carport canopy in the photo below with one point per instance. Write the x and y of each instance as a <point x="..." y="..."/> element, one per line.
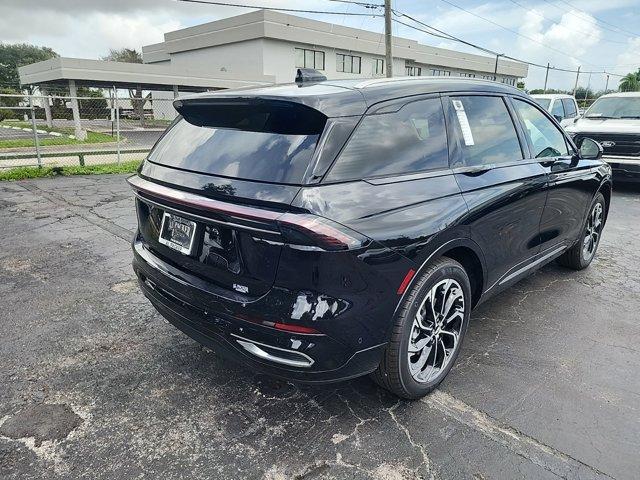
<point x="104" y="74"/>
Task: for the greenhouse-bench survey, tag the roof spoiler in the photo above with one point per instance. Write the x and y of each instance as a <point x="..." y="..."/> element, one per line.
<point x="309" y="75"/>
<point x="255" y="114"/>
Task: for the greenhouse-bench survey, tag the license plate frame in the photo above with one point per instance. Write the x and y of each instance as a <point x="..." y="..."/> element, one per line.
<point x="188" y="230"/>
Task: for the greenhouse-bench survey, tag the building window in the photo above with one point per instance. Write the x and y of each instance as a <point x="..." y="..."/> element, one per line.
<point x="413" y="71"/>
<point x="468" y="75"/>
<point x="378" y="66"/>
<point x="509" y="81"/>
<point x="487" y="77"/>
<point x="347" y="63"/>
<point x="440" y="73"/>
<point x="306" y="58"/>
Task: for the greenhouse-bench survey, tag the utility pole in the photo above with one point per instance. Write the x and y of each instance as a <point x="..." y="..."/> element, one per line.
<point x="546" y="77"/>
<point x="495" y="70"/>
<point x="576" y="85"/>
<point x="388" y="38"/>
<point x="606" y="87"/>
<point x="586" y="91"/>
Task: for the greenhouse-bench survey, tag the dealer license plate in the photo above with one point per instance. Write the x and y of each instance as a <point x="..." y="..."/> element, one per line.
<point x="177" y="233"/>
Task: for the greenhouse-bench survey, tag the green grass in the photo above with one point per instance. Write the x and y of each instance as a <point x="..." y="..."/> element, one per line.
<point x="92" y="137"/>
<point x="22" y="173"/>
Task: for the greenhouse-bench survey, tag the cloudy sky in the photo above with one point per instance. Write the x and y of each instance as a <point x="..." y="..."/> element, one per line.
<point x="595" y="34"/>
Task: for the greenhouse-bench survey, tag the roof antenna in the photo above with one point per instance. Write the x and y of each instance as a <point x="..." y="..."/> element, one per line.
<point x="309" y="75"/>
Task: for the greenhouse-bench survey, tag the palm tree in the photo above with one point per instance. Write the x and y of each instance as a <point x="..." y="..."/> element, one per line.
<point x="630" y="82"/>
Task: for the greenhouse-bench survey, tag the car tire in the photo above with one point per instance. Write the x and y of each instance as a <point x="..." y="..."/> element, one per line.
<point x="580" y="256"/>
<point x="400" y="370"/>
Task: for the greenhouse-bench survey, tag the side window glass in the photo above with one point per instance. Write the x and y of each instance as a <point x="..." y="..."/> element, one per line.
<point x="486" y="131"/>
<point x="569" y="107"/>
<point x="557" y="109"/>
<point x="410" y="140"/>
<point x="546" y="139"/>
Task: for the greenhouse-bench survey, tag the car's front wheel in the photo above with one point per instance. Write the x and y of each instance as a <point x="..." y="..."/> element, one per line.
<point x="428" y="330"/>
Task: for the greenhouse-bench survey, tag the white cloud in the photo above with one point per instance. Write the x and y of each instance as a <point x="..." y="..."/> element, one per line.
<point x="568" y="35"/>
<point x="630" y="58"/>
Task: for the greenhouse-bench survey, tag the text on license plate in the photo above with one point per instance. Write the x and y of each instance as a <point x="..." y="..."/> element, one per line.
<point x="177" y="233"/>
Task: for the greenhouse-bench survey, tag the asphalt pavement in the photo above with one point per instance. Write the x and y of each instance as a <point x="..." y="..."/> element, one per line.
<point x="95" y="384"/>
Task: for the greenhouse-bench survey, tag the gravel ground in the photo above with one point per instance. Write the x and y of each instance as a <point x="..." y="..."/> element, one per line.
<point x="95" y="384"/>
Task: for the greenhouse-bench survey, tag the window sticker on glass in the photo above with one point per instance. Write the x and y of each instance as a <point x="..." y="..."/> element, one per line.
<point x="464" y="122"/>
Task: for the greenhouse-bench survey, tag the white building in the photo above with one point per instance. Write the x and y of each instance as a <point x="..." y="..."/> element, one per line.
<point x="255" y="49"/>
<point x="267" y="43"/>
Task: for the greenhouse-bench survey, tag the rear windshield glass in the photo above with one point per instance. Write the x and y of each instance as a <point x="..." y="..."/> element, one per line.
<point x="543" y="102"/>
<point x="249" y="155"/>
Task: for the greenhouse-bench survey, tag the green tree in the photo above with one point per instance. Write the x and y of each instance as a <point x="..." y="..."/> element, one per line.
<point x="95" y="106"/>
<point x="17" y="55"/>
<point x="130" y="55"/>
<point x="9" y="101"/>
<point x="630" y="82"/>
<point x="125" y="55"/>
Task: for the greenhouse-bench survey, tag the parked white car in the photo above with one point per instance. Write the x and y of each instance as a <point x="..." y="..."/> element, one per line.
<point x="614" y="121"/>
<point x="563" y="107"/>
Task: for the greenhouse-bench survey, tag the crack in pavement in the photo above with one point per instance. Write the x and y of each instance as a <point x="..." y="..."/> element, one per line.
<point x="84" y="213"/>
<point x="426" y="461"/>
<point x="544" y="456"/>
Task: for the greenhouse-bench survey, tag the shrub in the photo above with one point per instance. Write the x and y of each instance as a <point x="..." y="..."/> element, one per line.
<point x="5" y="113"/>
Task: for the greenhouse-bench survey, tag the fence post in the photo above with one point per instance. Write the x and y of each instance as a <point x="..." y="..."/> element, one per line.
<point x="35" y="130"/>
<point x="46" y="106"/>
<point x="115" y="96"/>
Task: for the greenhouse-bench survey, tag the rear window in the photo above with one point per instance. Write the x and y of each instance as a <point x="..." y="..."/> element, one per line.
<point x="543" y="102"/>
<point x="259" y="143"/>
<point x="410" y="140"/>
<point x="569" y="107"/>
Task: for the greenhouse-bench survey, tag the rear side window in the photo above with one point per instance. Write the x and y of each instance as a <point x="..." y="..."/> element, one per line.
<point x="543" y="136"/>
<point x="413" y="139"/>
<point x="237" y="152"/>
<point x="486" y="131"/>
<point x="569" y="107"/>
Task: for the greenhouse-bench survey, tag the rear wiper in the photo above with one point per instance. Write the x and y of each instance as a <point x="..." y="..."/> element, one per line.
<point x="630" y="116"/>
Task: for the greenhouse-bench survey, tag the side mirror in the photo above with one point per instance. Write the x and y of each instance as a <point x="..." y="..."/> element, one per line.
<point x="558" y="118"/>
<point x="590" y="149"/>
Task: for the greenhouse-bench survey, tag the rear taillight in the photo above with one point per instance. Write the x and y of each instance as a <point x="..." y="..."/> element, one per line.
<point x="299" y="230"/>
<point x="313" y="231"/>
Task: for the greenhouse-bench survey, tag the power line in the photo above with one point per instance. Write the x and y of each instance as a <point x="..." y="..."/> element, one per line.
<point x="599" y="19"/>
<point x="513" y="31"/>
<point x="279" y="9"/>
<point x="447" y="36"/>
<point x="440" y="33"/>
<point x="361" y="4"/>
<point x="584" y="32"/>
<point x="592" y="20"/>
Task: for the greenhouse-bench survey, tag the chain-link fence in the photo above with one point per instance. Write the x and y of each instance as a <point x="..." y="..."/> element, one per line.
<point x="38" y="130"/>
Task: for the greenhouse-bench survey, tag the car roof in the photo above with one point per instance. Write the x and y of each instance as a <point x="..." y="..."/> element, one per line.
<point x="621" y="94"/>
<point x="335" y="98"/>
<point x="552" y="95"/>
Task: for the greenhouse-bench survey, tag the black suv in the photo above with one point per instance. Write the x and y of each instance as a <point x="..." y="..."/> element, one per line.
<point x="323" y="231"/>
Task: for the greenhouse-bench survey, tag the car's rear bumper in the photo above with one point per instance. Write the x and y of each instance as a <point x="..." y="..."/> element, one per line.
<point x="221" y="325"/>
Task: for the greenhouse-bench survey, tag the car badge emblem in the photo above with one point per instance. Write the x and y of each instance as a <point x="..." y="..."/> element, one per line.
<point x="608" y="144"/>
<point x="240" y="288"/>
